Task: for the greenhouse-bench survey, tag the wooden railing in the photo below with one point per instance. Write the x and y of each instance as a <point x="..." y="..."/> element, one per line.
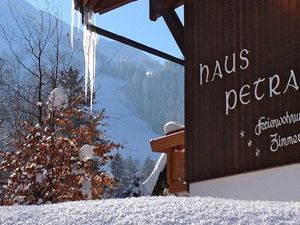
<point x="173" y="145"/>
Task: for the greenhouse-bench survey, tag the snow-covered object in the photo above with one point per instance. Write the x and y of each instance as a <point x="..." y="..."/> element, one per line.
<point x="90" y="41"/>
<point x="172" y="126"/>
<point x="155" y="210"/>
<point x="86" y="188"/>
<point x="39" y="178"/>
<point x="57" y="99"/>
<point x="19" y="199"/>
<point x="86" y="152"/>
<point x="39" y="104"/>
<point x="150" y="183"/>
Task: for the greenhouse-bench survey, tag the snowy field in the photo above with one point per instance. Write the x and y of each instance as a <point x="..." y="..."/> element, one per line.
<point x="154" y="210"/>
<point x="124" y="126"/>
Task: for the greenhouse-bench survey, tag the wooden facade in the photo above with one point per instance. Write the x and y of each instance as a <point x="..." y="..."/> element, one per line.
<point x="242" y="114"/>
<point x="173" y="145"/>
<point x="159" y="7"/>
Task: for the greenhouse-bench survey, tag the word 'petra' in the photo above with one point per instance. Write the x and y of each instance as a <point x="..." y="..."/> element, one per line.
<point x="232" y="97"/>
<point x="228" y="66"/>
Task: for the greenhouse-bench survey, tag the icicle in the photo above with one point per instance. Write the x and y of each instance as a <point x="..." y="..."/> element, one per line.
<point x="78" y="21"/>
<point x="90" y="41"/>
<point x="85" y="61"/>
<point x="72" y="23"/>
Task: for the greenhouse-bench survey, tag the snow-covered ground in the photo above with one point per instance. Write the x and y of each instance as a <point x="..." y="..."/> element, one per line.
<point x="124" y="126"/>
<point x="154" y="210"/>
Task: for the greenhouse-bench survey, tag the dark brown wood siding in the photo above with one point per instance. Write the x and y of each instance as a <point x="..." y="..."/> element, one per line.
<point x="220" y="144"/>
<point x="100" y="6"/>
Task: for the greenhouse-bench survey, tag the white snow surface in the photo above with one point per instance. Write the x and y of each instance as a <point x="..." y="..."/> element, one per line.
<point x="86" y="187"/>
<point x="125" y="127"/>
<point x="172" y="126"/>
<point x="150" y="183"/>
<point x="57" y="99"/>
<point x="86" y="152"/>
<point x="154" y="210"/>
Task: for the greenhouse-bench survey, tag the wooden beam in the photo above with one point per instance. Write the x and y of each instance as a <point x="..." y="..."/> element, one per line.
<point x="135" y="44"/>
<point x="100" y="6"/>
<point x="108" y="5"/>
<point x="166" y="143"/>
<point x="175" y="26"/>
<point x="157" y="7"/>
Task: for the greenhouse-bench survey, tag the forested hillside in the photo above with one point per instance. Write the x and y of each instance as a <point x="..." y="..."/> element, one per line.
<point x="155" y="90"/>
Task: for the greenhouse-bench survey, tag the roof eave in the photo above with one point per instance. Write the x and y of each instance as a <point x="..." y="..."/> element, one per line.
<point x="100" y="6"/>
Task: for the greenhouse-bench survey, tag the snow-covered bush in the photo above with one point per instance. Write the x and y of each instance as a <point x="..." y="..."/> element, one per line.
<point x="59" y="160"/>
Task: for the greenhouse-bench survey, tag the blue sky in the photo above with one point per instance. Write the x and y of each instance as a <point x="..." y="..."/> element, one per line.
<point x="131" y="21"/>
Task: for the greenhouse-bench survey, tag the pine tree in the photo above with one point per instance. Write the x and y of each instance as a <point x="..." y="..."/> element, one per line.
<point x="72" y="83"/>
<point x="59" y="160"/>
<point x="148" y="167"/>
<point x="117" y="169"/>
<point x="136" y="187"/>
<point x="129" y="171"/>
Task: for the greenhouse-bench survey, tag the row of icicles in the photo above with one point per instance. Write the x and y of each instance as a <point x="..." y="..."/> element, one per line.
<point x="90" y="41"/>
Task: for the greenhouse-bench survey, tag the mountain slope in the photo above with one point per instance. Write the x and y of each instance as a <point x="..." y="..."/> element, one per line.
<point x="124" y="126"/>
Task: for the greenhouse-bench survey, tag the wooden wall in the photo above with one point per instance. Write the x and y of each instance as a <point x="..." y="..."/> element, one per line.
<point x="267" y="35"/>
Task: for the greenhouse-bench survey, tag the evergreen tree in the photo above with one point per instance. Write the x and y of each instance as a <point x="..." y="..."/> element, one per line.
<point x="72" y="83"/>
<point x="129" y="171"/>
<point x="136" y="187"/>
<point x="147" y="168"/>
<point x="117" y="169"/>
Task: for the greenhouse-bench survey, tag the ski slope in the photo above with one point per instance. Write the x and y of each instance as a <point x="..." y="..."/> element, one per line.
<point x="124" y="126"/>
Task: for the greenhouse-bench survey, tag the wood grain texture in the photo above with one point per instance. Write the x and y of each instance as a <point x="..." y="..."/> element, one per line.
<point x="101" y="6"/>
<point x="173" y="145"/>
<point x="168" y="142"/>
<point x="214" y="29"/>
<point x="157" y="7"/>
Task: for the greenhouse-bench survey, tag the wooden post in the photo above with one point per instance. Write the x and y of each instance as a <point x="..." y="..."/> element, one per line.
<point x="173" y="146"/>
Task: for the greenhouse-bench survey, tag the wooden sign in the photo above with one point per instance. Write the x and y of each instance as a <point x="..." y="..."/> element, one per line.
<point x="242" y="86"/>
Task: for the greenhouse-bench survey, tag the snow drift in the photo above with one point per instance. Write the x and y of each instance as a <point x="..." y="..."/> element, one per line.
<point x="155" y="210"/>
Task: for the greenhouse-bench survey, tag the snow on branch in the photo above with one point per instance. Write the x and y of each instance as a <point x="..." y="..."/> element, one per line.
<point x="57" y="100"/>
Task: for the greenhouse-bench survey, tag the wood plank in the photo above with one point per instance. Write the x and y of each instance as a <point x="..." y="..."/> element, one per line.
<point x="176" y="171"/>
<point x="166" y="143"/>
<point x="157" y="7"/>
<point x="216" y="30"/>
<point x="100" y="6"/>
<point x="106" y="6"/>
<point x="176" y="27"/>
<point x="135" y="44"/>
